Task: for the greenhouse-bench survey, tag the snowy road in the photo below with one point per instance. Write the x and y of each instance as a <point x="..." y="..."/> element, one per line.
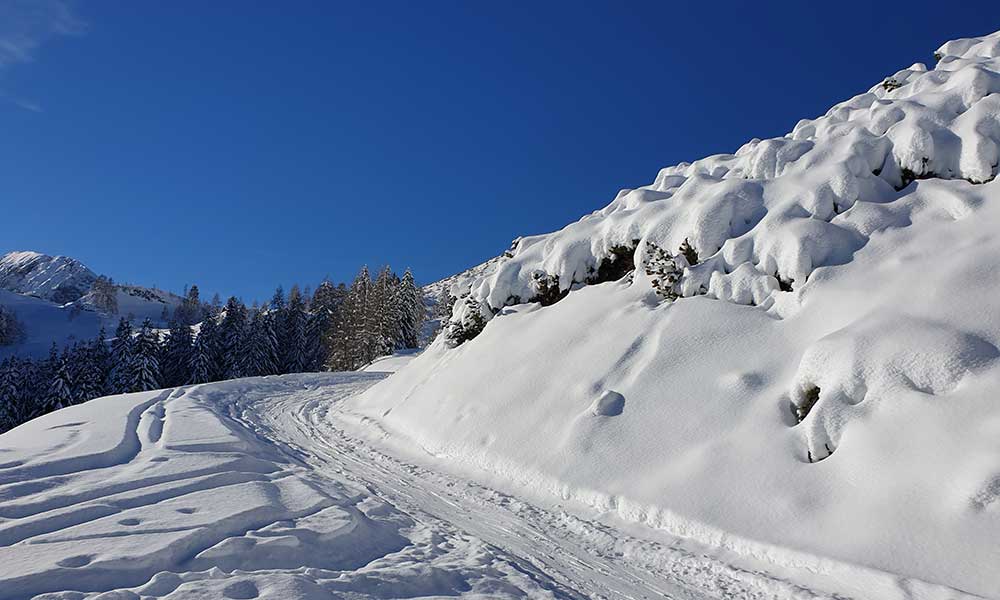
<point x="251" y="489"/>
<point x="572" y="557"/>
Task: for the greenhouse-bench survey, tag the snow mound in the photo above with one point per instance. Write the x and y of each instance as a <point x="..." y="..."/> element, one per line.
<point x="883" y="357"/>
<point x="780" y="208"/>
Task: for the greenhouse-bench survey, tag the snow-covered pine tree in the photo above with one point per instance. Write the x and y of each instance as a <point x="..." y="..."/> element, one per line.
<point x="202" y="365"/>
<point x="145" y="363"/>
<point x="385" y="315"/>
<point x="278" y="300"/>
<point x="663" y="271"/>
<point x="359" y="326"/>
<point x="88" y="374"/>
<point x="292" y="333"/>
<point x="261" y="354"/>
<point x="122" y="351"/>
<point x="60" y="391"/>
<point x="101" y="353"/>
<point x="232" y="334"/>
<point x="177" y="349"/>
<point x="411" y="311"/>
<point x="10" y="399"/>
<point x="323" y="310"/>
<point x="189" y="311"/>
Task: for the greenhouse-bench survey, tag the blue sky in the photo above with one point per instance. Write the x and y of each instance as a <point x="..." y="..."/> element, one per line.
<point x="240" y="145"/>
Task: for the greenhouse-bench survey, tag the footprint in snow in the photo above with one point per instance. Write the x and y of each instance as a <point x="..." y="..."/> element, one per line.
<point x="610" y="404"/>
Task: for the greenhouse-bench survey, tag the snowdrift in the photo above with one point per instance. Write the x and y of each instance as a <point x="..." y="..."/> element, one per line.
<point x="825" y="387"/>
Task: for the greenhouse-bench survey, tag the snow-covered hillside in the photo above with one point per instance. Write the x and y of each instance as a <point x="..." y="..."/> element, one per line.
<point x="844" y="275"/>
<point x="59" y="279"/>
<point x="53" y="299"/>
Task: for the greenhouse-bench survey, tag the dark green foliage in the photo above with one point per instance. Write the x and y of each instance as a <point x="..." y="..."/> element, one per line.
<point x="176" y="356"/>
<point x="784" y="285"/>
<point x="145" y="361"/>
<point x="618" y="264"/>
<point x="547" y="290"/>
<point x="891" y="84"/>
<point x="689" y="253"/>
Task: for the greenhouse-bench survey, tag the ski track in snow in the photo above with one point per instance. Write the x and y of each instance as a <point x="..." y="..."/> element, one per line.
<point x="248" y="489"/>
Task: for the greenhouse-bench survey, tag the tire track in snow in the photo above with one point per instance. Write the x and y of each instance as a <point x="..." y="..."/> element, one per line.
<point x="586" y="558"/>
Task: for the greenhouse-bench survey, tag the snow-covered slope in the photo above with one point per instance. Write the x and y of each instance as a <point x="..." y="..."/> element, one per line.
<point x="437" y="293"/>
<point x="846" y="273"/>
<point x="52" y="298"/>
<point x="59" y="279"/>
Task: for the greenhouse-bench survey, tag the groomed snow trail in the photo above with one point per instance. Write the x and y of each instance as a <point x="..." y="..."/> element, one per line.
<point x="254" y="489"/>
<point x="579" y="558"/>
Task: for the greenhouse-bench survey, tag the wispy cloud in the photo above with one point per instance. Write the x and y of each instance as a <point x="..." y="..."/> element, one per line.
<point x="26" y="25"/>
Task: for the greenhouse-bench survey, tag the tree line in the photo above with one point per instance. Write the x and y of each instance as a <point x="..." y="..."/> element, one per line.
<point x="337" y="328"/>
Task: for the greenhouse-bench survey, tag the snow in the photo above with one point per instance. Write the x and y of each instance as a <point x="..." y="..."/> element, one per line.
<point x="392" y="363"/>
<point x="46" y="322"/>
<point x="171" y="494"/>
<point x="59" y="279"/>
<point x="51" y="298"/>
<point x="254" y="488"/>
<point x="881" y="216"/>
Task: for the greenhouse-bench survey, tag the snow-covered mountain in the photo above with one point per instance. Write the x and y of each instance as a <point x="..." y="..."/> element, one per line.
<point x="791" y="352"/>
<point x="59" y="279"/>
<point x="52" y="298"/>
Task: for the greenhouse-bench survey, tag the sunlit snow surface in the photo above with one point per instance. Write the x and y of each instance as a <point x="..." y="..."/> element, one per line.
<point x="170" y="494"/>
<point x="258" y="489"/>
<point x="892" y="323"/>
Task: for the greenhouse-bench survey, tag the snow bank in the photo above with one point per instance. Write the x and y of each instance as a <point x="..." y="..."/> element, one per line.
<point x="846" y="275"/>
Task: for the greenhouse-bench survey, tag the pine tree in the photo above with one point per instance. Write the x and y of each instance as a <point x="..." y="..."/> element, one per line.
<point x="10" y="398"/>
<point x="201" y="366"/>
<point x="292" y="334"/>
<point x="177" y="351"/>
<point x="278" y="300"/>
<point x="354" y="332"/>
<point x="323" y="308"/>
<point x="411" y="311"/>
<point x="60" y="391"/>
<point x="232" y="332"/>
<point x="145" y="363"/>
<point x="101" y="353"/>
<point x="385" y="316"/>
<point x="260" y="356"/>
<point x="87" y="373"/>
<point x="122" y="351"/>
<point x="189" y="311"/>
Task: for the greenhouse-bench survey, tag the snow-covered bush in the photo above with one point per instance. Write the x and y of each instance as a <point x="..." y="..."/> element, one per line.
<point x="783" y="206"/>
<point x="468" y="320"/>
<point x="663" y="271"/>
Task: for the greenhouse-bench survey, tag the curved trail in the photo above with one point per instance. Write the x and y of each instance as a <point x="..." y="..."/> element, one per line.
<point x="578" y="557"/>
<point x="257" y="488"/>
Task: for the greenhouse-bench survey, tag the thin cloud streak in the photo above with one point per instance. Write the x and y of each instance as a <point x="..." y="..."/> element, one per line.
<point x="26" y="25"/>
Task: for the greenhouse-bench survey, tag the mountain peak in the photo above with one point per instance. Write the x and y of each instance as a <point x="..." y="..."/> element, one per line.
<point x="59" y="279"/>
